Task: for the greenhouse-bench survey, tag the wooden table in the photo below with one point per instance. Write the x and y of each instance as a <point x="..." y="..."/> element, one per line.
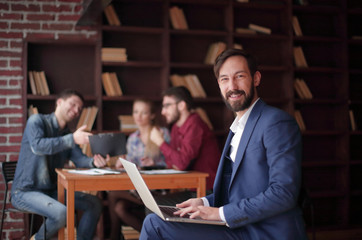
<point x="78" y="182"/>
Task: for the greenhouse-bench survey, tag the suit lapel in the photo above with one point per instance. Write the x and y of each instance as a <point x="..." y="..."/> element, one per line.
<point x="249" y="128"/>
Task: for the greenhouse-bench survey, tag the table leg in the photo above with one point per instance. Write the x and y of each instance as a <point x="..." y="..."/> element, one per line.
<point x="201" y="190"/>
<point x="70" y="210"/>
<point x="60" y="199"/>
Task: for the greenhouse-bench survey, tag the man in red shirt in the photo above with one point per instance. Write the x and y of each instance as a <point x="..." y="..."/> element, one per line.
<point x="193" y="145"/>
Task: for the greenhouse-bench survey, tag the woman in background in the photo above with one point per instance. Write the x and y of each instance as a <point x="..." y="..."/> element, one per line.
<point x="125" y="206"/>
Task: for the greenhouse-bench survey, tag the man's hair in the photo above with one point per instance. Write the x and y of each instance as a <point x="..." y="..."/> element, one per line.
<point x="67" y="93"/>
<point x="180" y="93"/>
<point x="251" y="60"/>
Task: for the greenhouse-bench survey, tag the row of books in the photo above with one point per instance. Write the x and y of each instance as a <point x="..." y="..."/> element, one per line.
<point x="191" y="82"/>
<point x="302" y="89"/>
<point x="299" y="57"/>
<point x="112" y="16"/>
<point x="87" y="117"/>
<point x="178" y="19"/>
<point x="38" y="83"/>
<point x="110" y="54"/>
<point x="111" y="85"/>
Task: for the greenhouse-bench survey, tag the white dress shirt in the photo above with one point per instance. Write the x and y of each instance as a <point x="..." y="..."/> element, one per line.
<point x="237" y="127"/>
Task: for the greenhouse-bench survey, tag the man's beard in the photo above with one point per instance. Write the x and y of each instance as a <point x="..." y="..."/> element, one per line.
<point x="175" y="117"/>
<point x="239" y="105"/>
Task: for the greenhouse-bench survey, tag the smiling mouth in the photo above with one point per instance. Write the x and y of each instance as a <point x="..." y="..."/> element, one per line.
<point x="234" y="94"/>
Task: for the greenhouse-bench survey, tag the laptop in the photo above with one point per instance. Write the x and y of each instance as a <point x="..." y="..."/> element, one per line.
<point x="164" y="212"/>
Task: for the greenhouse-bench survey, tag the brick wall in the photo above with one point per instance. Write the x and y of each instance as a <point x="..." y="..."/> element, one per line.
<point x="50" y="19"/>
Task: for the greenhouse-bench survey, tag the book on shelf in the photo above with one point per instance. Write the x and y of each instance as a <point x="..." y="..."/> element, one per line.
<point x="298" y="117"/>
<point x="87" y="117"/>
<point x="245" y="31"/>
<point x="302" y="89"/>
<point x="111" y="16"/>
<point x="111" y="85"/>
<point x="352" y="120"/>
<point x="178" y="19"/>
<point x="127" y="124"/>
<point x="213" y="51"/>
<point x="356" y="37"/>
<point x="259" y="29"/>
<point x="299" y="58"/>
<point x="110" y="54"/>
<point x="296" y="26"/>
<point x="238" y="46"/>
<point x="191" y="82"/>
<point x="203" y="115"/>
<point x="32" y="110"/>
<point x="38" y="83"/>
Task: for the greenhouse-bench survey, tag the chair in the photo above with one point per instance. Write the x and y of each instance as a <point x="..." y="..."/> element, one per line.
<point x="305" y="202"/>
<point x="8" y="172"/>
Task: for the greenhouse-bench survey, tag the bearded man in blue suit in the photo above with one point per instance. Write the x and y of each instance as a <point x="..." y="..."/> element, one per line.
<point x="259" y="175"/>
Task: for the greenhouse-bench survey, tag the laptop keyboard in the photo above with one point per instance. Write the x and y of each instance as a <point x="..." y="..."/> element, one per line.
<point x="170" y="210"/>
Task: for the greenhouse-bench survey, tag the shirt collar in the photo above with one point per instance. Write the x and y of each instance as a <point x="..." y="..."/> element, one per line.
<point x="242" y="121"/>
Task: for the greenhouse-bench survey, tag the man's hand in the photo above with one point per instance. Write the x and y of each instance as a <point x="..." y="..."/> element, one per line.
<point x="147" y="161"/>
<point x="99" y="161"/>
<point x="156" y="136"/>
<point x="196" y="208"/>
<point x="80" y="136"/>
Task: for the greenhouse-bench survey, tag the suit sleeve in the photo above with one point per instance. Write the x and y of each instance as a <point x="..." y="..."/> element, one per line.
<point x="280" y="151"/>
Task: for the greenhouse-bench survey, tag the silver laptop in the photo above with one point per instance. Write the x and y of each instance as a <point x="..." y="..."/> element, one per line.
<point x="164" y="212"/>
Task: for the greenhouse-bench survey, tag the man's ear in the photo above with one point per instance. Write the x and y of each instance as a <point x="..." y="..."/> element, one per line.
<point x="257" y="77"/>
<point x="181" y="105"/>
<point x="59" y="101"/>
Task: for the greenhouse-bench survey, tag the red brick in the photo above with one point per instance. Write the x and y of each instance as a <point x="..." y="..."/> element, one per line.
<point x="16" y="234"/>
<point x="3" y="139"/>
<point x="25" y="7"/>
<point x="71" y="1"/>
<point x="58" y="26"/>
<point x="44" y="17"/>
<point x="13" y="120"/>
<point x="10" y="111"/>
<point x="16" y="44"/>
<point x="68" y="17"/>
<point x="10" y="148"/>
<point x="78" y="8"/>
<point x="11" y="72"/>
<point x="2" y="101"/>
<point x="3" y="63"/>
<point x="41" y="35"/>
<point x="4" y="25"/>
<point x="4" y="6"/>
<point x="5" y="130"/>
<point x="32" y="26"/>
<point x="10" y="54"/>
<point x="15" y="139"/>
<point x="11" y="35"/>
<point x="15" y="63"/>
<point x="16" y="101"/>
<point x="54" y="8"/>
<point x="3" y="120"/>
<point x="2" y="157"/>
<point x="4" y="44"/>
<point x="13" y="157"/>
<point x="11" y="16"/>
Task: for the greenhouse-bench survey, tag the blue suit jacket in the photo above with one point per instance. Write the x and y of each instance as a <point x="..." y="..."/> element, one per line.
<point x="266" y="177"/>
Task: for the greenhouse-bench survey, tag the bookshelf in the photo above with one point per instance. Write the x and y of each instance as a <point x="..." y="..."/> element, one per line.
<point x="332" y="156"/>
<point x="354" y="45"/>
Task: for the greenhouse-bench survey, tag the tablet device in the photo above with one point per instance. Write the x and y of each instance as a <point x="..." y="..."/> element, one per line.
<point x="113" y="144"/>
